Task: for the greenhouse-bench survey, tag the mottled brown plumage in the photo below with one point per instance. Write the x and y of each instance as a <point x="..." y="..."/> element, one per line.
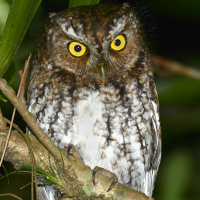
<point x="92" y="86"/>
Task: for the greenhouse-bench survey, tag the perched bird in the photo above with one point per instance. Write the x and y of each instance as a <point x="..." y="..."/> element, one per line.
<point x="92" y="86"/>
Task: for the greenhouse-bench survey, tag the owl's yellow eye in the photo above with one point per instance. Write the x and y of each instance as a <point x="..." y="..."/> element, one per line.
<point x="118" y="43"/>
<point x="77" y="49"/>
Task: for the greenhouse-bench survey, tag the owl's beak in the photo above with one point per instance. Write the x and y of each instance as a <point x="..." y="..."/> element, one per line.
<point x="102" y="71"/>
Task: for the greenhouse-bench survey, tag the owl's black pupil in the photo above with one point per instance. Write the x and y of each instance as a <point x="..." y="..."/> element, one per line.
<point x="117" y="42"/>
<point x="77" y="48"/>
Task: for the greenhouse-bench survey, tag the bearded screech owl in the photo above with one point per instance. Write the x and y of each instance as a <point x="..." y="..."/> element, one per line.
<point x="92" y="86"/>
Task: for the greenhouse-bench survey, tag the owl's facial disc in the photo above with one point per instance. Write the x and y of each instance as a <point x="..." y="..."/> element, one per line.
<point x="100" y="49"/>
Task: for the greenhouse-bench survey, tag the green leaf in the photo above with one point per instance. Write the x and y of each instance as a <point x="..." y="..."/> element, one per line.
<point x="20" y="15"/>
<point x="10" y="74"/>
<point x="48" y="177"/>
<point x="74" y="3"/>
<point x="4" y="9"/>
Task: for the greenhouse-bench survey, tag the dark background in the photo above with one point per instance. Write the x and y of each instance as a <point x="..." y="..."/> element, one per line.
<point x="172" y="29"/>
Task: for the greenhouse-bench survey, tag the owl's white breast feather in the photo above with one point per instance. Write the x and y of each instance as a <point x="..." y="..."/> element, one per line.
<point x="87" y="112"/>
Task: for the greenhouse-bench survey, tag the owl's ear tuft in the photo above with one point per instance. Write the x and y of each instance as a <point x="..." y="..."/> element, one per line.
<point x="127" y="5"/>
<point x="50" y="20"/>
<point x="51" y="15"/>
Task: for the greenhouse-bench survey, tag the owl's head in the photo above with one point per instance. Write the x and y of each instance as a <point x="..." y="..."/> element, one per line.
<point x="100" y="42"/>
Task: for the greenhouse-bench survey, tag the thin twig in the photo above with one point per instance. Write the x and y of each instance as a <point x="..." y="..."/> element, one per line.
<point x="15" y="126"/>
<point x="19" y="93"/>
<point x="22" y="87"/>
<point x="23" y="76"/>
<point x="34" y="174"/>
<point x="9" y="194"/>
<point x="176" y="67"/>
<point x="8" y="136"/>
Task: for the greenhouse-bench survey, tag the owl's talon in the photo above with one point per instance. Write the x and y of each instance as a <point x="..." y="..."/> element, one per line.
<point x="112" y="176"/>
<point x="71" y="151"/>
<point x="112" y="185"/>
<point x="93" y="176"/>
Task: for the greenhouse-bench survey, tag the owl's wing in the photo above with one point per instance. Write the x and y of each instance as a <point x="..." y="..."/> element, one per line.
<point x="156" y="136"/>
<point x="155" y="157"/>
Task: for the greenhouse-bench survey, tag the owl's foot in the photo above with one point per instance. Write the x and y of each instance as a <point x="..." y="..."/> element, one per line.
<point x="112" y="176"/>
<point x="71" y="151"/>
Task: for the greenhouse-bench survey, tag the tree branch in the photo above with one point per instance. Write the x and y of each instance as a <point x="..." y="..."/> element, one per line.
<point x="176" y="67"/>
<point x="2" y="122"/>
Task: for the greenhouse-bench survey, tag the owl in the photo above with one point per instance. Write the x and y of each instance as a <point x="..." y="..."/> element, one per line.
<point x="92" y="86"/>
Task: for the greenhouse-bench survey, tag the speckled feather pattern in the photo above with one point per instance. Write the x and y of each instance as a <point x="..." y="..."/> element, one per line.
<point x="114" y="124"/>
